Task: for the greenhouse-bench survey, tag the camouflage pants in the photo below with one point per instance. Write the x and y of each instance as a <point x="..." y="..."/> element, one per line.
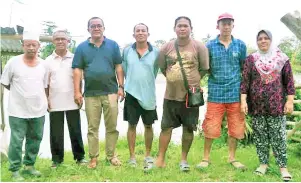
<point x="270" y="131"/>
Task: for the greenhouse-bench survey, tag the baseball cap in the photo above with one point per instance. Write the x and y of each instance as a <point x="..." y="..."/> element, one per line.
<point x="225" y="16"/>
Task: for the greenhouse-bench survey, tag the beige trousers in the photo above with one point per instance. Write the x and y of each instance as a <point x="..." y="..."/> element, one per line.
<point x="94" y="107"/>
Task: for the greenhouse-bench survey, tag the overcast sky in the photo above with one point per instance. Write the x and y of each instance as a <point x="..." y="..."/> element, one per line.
<point x="121" y="15"/>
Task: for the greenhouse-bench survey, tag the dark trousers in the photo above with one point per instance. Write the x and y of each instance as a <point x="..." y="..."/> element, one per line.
<point x="57" y="135"/>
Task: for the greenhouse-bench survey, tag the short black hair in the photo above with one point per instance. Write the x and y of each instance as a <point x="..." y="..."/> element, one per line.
<point x="93" y="18"/>
<point x="140" y="24"/>
<point x="229" y="19"/>
<point x="184" y="17"/>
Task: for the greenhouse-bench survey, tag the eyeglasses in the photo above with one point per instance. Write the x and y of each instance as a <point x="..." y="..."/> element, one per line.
<point x="99" y="26"/>
<point x="60" y="39"/>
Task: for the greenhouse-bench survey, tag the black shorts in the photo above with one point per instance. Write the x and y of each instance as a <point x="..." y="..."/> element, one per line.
<point x="132" y="112"/>
<point x="176" y="114"/>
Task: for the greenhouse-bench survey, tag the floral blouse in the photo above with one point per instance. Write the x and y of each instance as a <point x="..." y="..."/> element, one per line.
<point x="270" y="98"/>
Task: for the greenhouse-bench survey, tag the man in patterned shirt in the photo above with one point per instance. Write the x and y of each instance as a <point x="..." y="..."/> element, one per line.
<point x="226" y="55"/>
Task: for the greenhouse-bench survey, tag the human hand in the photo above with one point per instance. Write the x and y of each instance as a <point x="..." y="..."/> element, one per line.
<point x="288" y="107"/>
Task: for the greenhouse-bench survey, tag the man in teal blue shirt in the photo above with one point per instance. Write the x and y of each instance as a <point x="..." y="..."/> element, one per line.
<point x="140" y="68"/>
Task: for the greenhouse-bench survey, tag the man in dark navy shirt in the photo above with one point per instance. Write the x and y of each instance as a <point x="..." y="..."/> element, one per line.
<point x="100" y="60"/>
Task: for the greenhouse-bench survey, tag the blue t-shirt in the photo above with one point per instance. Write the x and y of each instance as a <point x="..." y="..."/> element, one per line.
<point x="98" y="65"/>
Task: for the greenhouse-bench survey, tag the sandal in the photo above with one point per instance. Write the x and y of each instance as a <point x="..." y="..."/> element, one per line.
<point x="286" y="177"/>
<point x="115" y="161"/>
<point x="236" y="164"/>
<point x="203" y="164"/>
<point x="184" y="167"/>
<point x="132" y="163"/>
<point x="148" y="164"/>
<point x="92" y="163"/>
<point x="260" y="171"/>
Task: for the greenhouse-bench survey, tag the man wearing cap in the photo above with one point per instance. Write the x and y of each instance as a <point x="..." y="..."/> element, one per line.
<point x="60" y="101"/>
<point x="26" y="78"/>
<point x="100" y="59"/>
<point x="226" y="55"/>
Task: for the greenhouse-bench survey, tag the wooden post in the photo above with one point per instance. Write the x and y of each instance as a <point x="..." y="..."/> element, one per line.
<point x="293" y="23"/>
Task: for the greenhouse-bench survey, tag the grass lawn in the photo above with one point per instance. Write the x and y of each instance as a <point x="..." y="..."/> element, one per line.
<point x="219" y="169"/>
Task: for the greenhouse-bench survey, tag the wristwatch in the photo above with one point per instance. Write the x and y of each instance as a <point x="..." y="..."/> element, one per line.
<point x="121" y="86"/>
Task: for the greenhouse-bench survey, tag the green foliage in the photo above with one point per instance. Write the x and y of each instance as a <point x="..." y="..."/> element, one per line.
<point x="291" y="46"/>
<point x="248" y="130"/>
<point x="218" y="171"/>
<point x="204" y="81"/>
<point x="250" y="49"/>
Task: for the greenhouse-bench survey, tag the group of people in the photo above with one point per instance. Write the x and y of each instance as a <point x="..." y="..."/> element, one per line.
<point x="260" y="84"/>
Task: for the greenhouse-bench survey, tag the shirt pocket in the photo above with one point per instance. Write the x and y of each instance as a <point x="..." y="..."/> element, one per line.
<point x="235" y="58"/>
<point x="216" y="60"/>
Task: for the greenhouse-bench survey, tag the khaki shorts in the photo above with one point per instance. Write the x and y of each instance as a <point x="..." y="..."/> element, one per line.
<point x="214" y="116"/>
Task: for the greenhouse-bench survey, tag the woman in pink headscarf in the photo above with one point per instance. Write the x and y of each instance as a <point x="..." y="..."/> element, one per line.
<point x="267" y="93"/>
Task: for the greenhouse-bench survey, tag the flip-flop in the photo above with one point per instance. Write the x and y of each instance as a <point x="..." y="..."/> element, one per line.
<point x="132" y="163"/>
<point x="260" y="171"/>
<point x="184" y="167"/>
<point x="203" y="164"/>
<point x="286" y="177"/>
<point x="148" y="164"/>
<point x="239" y="167"/>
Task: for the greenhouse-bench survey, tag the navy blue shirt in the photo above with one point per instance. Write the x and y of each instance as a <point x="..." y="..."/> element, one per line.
<point x="98" y="65"/>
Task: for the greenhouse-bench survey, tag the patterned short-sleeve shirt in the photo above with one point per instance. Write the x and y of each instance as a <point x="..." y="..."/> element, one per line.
<point x="225" y="70"/>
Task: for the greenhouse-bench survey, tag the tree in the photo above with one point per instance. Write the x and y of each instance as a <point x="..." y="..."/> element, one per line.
<point x="206" y="39"/>
<point x="160" y="43"/>
<point x="48" y="30"/>
<point x="291" y="46"/>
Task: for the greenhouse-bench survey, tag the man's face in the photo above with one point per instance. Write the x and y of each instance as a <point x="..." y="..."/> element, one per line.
<point x="141" y="34"/>
<point x="183" y="28"/>
<point x="225" y="26"/>
<point x="263" y="42"/>
<point x="96" y="28"/>
<point x="60" y="40"/>
<point x="31" y="47"/>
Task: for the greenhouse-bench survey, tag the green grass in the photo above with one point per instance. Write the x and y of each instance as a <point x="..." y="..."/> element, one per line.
<point x="219" y="169"/>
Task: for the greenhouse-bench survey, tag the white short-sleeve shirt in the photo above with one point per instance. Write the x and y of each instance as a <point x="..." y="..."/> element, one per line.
<point x="27" y="97"/>
<point x="60" y="82"/>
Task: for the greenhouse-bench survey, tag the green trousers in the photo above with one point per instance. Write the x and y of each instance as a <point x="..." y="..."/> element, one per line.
<point x="30" y="129"/>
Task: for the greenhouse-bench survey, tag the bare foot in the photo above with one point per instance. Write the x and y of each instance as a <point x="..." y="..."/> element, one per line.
<point x="160" y="163"/>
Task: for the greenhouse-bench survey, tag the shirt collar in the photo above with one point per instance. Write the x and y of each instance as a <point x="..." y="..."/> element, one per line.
<point x="218" y="41"/>
<point x="103" y="42"/>
<point x="150" y="47"/>
<point x="68" y="55"/>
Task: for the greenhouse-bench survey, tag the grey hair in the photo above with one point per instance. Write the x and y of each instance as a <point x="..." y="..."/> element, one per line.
<point x="63" y="31"/>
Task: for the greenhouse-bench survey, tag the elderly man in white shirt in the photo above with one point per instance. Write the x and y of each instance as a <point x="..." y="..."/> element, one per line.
<point x="61" y="101"/>
<point x="26" y="78"/>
